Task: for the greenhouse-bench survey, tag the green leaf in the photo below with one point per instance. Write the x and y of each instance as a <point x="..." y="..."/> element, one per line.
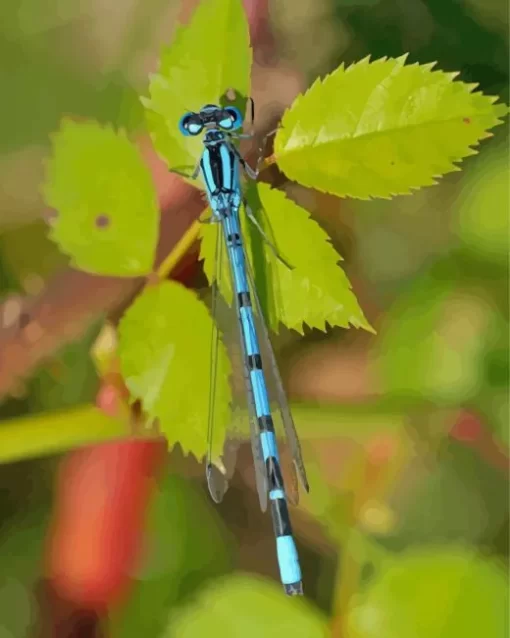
<point x="26" y="250"/>
<point x="435" y="341"/>
<point x="250" y="607"/>
<point x="108" y="213"/>
<point x="483" y="209"/>
<point x="378" y="129"/>
<point x="316" y="291"/>
<point x="329" y="506"/>
<point x="460" y="498"/>
<point x="164" y="350"/>
<point x="206" y="58"/>
<point x="73" y="382"/>
<point x="200" y="550"/>
<point x="22" y="551"/>
<point x="447" y="592"/>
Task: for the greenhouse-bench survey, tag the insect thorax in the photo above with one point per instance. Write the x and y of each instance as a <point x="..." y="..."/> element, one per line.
<point x="214" y="136"/>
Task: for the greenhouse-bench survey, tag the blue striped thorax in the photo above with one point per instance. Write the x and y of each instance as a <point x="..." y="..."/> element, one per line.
<point x="214" y="136"/>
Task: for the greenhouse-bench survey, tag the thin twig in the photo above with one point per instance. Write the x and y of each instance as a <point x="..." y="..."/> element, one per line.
<point x="179" y="250"/>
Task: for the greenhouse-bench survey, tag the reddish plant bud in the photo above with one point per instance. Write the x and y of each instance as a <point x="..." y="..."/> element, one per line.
<point x="101" y="501"/>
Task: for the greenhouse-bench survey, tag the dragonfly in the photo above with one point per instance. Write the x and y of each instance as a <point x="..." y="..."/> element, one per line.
<point x="220" y="165"/>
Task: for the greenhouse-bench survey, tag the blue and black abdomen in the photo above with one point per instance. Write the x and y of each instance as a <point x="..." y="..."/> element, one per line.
<point x="288" y="561"/>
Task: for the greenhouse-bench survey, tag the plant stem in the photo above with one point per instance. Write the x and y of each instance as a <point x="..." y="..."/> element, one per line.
<point x="179" y="250"/>
<point x="358" y="547"/>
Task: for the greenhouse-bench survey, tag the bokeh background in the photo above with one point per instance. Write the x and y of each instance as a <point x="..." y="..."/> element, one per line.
<point x="405" y="432"/>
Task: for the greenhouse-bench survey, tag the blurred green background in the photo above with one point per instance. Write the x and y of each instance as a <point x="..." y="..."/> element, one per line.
<point x="405" y="432"/>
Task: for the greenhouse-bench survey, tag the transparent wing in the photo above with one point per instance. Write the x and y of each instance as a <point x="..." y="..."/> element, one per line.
<point x="226" y="321"/>
<point x="277" y="395"/>
<point x="218" y="472"/>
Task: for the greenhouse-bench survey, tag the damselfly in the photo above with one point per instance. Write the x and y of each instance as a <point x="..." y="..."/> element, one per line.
<point x="219" y="165"/>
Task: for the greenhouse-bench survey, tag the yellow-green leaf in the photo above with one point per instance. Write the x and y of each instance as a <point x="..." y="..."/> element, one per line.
<point x="435" y="593"/>
<point x="483" y="209"/>
<point x="316" y="290"/>
<point x="103" y="192"/>
<point x="207" y="57"/>
<point x="383" y="128"/>
<point x="247" y="606"/>
<point x="164" y="350"/>
<point x="434" y="342"/>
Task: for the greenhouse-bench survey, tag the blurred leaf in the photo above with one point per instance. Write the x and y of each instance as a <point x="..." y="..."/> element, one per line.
<point x="359" y="422"/>
<point x="444" y="592"/>
<point x="334" y="509"/>
<point x="381" y="129"/>
<point x="184" y="546"/>
<point x="27" y="251"/>
<point x="342" y="4"/>
<point x="206" y="58"/>
<point x="184" y="514"/>
<point x="68" y="379"/>
<point x="413" y="230"/>
<point x="144" y="611"/>
<point x="26" y="18"/>
<point x="431" y="30"/>
<point x="333" y="505"/>
<point x="434" y="341"/>
<point x="107" y="209"/>
<point x="18" y="608"/>
<point x="461" y="499"/>
<point x="316" y="291"/>
<point x="42" y="70"/>
<point x="165" y="351"/>
<point x="493" y="399"/>
<point x="493" y="13"/>
<point x="250" y="607"/>
<point x="496" y="408"/>
<point x="484" y="209"/>
<point x="54" y="432"/>
<point x="21" y="548"/>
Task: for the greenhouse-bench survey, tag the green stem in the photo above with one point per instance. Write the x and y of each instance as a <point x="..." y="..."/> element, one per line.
<point x="54" y="432"/>
<point x="179" y="250"/>
<point x="359" y="548"/>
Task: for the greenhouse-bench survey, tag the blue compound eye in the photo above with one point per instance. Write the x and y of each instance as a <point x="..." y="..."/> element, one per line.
<point x="191" y="124"/>
<point x="230" y="118"/>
